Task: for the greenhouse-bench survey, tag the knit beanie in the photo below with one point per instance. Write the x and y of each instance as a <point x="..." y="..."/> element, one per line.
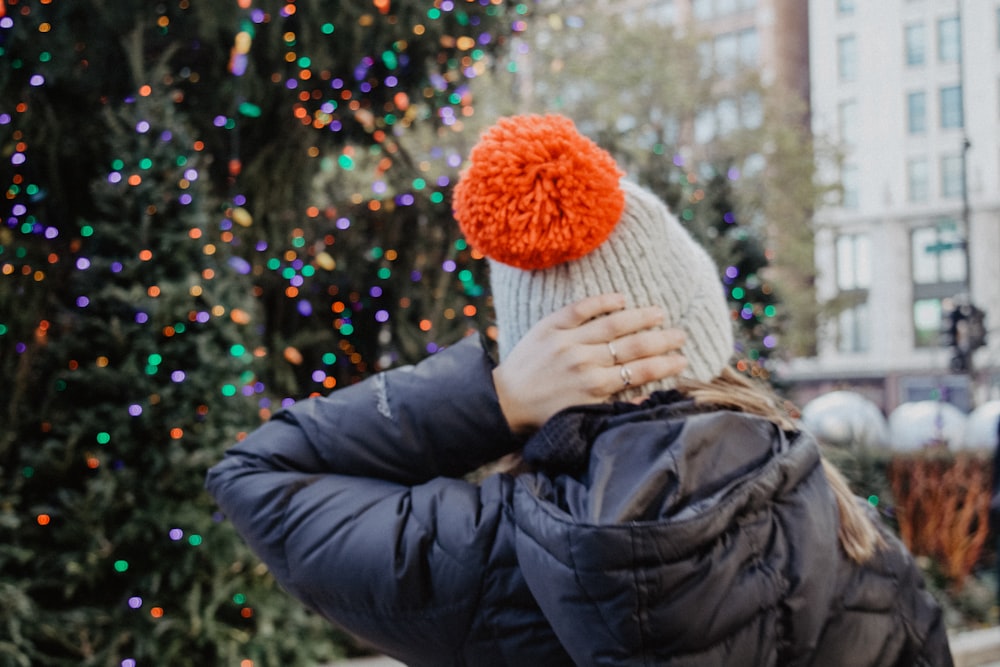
<point x="558" y="222"/>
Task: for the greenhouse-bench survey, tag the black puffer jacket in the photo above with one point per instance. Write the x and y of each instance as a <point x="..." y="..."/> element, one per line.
<point x="650" y="535"/>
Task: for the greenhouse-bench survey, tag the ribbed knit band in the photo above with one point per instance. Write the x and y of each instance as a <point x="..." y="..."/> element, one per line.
<point x="651" y="259"/>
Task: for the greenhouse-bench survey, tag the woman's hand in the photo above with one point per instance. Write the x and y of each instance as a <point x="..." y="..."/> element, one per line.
<point x="584" y="353"/>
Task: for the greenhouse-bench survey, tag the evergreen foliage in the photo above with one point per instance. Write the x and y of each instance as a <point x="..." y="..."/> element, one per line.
<point x="162" y="162"/>
<point x="142" y="377"/>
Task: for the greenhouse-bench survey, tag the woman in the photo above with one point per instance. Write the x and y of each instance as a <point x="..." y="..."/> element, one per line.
<point x="661" y="509"/>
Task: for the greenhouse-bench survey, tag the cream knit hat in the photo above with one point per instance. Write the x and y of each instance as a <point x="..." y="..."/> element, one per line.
<point x="550" y="211"/>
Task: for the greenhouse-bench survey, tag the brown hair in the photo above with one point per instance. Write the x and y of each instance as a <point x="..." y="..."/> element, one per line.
<point x="731" y="390"/>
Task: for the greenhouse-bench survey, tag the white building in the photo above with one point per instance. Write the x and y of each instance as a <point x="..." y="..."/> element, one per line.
<point x="887" y="85"/>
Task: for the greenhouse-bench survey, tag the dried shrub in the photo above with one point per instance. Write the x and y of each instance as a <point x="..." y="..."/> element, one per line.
<point x="942" y="507"/>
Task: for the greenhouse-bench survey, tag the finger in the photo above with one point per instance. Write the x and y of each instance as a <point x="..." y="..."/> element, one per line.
<point x="584" y="310"/>
<point x="643" y="371"/>
<point x="620" y="323"/>
<point x="648" y="343"/>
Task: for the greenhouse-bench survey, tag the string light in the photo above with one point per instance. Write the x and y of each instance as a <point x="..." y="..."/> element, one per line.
<point x="338" y="104"/>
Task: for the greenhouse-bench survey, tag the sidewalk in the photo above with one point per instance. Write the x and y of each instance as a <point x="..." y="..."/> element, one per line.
<point x="378" y="661"/>
<point x="975" y="648"/>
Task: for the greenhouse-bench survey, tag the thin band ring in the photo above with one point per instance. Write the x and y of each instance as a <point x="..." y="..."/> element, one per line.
<point x="614" y="354"/>
<point x="626" y="375"/>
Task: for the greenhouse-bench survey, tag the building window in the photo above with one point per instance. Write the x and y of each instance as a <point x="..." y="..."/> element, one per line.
<point x="954" y="389"/>
<point x="752" y="110"/>
<point x="853" y="281"/>
<point x="854" y="262"/>
<point x="916" y="112"/>
<point x="951" y="106"/>
<point x="916" y="44"/>
<point x="845" y="7"/>
<point x="852" y="328"/>
<point x="705" y="59"/>
<point x="918" y="179"/>
<point x="847" y="122"/>
<point x="926" y="322"/>
<point x="847" y="58"/>
<point x="727" y="53"/>
<point x="849" y="182"/>
<point x="951" y="176"/>
<point x="749" y="47"/>
<point x="938" y="272"/>
<point x="727" y="116"/>
<point x="704" y="126"/>
<point x="702" y="9"/>
<point x="730" y="115"/>
<point x="949" y="40"/>
<point x="662" y="13"/>
<point x="707" y="9"/>
<point x="732" y="49"/>
<point x="938" y="255"/>
<point x="723" y="7"/>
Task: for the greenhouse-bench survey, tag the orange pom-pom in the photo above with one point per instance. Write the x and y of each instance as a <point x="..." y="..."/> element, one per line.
<point x="538" y="193"/>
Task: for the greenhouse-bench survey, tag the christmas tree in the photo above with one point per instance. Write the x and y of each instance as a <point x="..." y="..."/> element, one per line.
<point x="345" y="218"/>
<point x="214" y="208"/>
<point x="144" y="370"/>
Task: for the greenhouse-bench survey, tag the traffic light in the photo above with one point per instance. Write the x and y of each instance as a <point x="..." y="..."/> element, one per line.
<point x="963" y="330"/>
<point x="976" y="327"/>
<point x="949" y="327"/>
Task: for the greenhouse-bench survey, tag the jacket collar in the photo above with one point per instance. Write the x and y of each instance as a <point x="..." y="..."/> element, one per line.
<point x="563" y="443"/>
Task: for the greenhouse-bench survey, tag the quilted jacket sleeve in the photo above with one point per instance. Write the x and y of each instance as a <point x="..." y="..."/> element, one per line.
<point x="352" y="501"/>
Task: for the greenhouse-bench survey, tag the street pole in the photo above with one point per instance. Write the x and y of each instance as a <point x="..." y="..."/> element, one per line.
<point x="966" y="144"/>
<point x="966" y="209"/>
